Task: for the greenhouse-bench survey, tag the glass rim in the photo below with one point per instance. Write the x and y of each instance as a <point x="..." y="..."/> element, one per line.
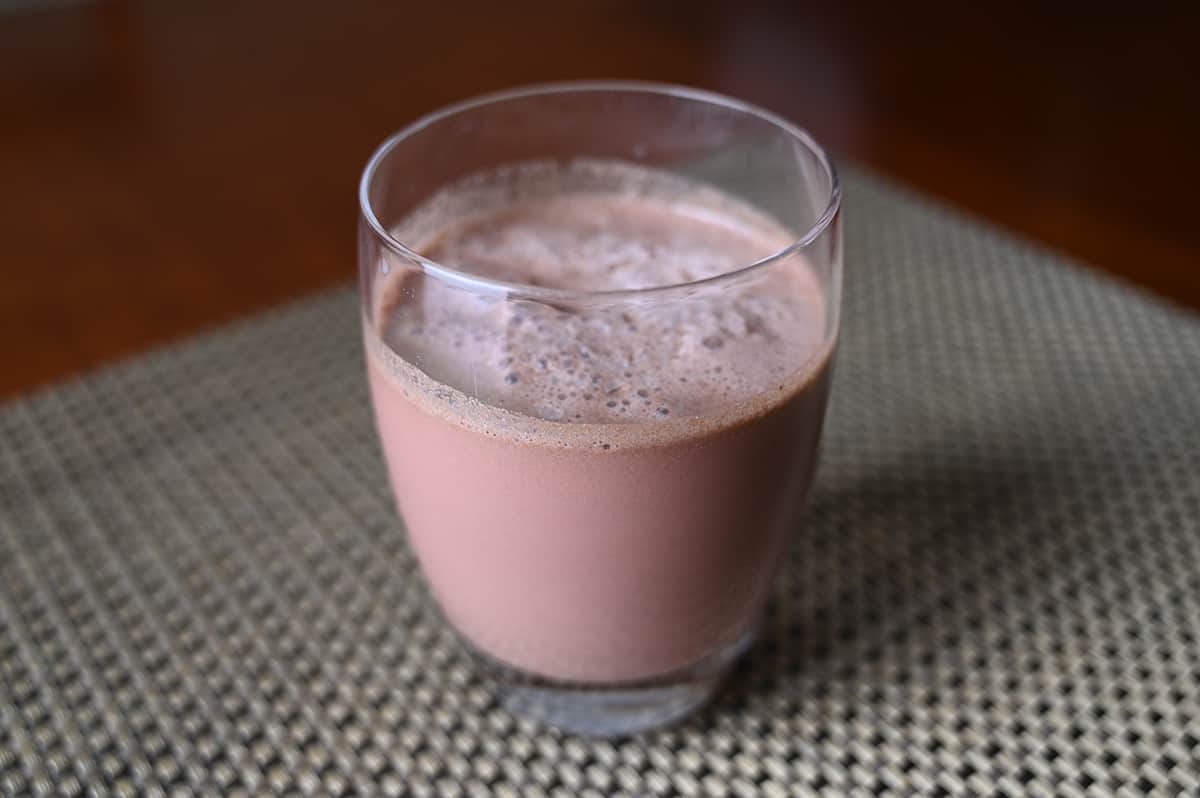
<point x="479" y="283"/>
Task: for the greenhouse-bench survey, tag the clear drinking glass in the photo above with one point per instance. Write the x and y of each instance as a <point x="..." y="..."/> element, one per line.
<point x="600" y="460"/>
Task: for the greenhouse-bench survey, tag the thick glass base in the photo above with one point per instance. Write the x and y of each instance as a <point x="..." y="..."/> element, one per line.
<point x="609" y="712"/>
<point x="618" y="709"/>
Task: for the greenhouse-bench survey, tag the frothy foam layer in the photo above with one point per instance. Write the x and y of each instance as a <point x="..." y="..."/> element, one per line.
<point x="600" y="226"/>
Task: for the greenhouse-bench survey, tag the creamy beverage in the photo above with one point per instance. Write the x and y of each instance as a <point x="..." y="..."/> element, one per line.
<point x="598" y="491"/>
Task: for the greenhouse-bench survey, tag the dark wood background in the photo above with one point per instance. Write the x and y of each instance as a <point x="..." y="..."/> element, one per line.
<point x="166" y="166"/>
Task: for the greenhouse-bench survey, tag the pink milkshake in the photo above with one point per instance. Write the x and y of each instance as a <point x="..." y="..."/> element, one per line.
<point x="598" y="489"/>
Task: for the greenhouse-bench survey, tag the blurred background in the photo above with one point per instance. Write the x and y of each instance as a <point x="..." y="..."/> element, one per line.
<point x="170" y="165"/>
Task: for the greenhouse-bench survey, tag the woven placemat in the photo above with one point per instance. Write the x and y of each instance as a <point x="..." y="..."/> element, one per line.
<point x="204" y="588"/>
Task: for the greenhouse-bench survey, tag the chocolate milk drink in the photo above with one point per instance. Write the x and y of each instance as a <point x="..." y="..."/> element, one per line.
<point x="598" y="492"/>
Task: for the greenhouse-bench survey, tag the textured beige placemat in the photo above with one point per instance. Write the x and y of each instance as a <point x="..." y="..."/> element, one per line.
<point x="204" y="589"/>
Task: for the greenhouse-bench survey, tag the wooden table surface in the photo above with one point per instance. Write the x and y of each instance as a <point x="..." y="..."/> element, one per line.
<point x="169" y="166"/>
